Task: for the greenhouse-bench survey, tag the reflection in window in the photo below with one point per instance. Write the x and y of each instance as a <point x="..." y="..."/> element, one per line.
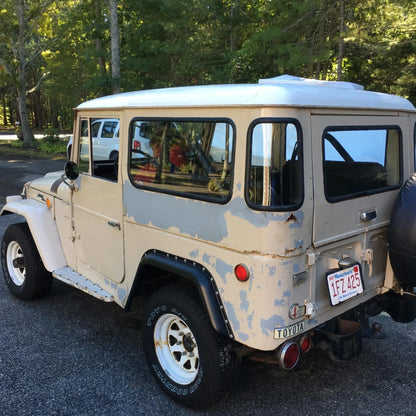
<point x="275" y="171"/>
<point x="99" y="143"/>
<point x="109" y="129"/>
<point x="414" y="145"/>
<point x="84" y="150"/>
<point x="360" y="161"/>
<point x="190" y="157"/>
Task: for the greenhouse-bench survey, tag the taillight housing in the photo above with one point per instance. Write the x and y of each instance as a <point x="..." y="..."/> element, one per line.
<point x="288" y="355"/>
<point x="306" y="343"/>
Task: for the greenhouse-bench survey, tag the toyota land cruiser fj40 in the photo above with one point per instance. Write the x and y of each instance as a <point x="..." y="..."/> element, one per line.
<point x="256" y="219"/>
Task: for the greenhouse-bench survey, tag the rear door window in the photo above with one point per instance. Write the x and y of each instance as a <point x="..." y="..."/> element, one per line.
<point x="360" y="161"/>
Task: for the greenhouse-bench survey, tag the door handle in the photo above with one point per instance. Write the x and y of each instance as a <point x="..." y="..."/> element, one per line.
<point x="114" y="224"/>
<point x="369" y="215"/>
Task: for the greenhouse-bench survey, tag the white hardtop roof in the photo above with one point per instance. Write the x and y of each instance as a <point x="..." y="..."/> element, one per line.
<point x="286" y="90"/>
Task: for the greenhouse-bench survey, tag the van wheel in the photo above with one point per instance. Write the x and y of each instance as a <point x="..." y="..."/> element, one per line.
<point x="22" y="266"/>
<point x="189" y="359"/>
<point x="114" y="155"/>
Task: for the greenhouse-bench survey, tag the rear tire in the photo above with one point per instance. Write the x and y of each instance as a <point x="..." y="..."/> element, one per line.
<point x="23" y="270"/>
<point x="192" y="362"/>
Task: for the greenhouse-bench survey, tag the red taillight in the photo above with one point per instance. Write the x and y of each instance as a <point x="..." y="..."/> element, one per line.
<point x="306" y="343"/>
<point x="241" y="272"/>
<point x="288" y="355"/>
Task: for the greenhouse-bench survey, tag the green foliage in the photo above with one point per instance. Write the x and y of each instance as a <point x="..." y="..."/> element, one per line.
<point x="17" y="144"/>
<point x="182" y="42"/>
<point x="51" y="143"/>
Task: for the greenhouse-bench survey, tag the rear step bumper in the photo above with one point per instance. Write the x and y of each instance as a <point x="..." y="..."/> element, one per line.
<point x="341" y="338"/>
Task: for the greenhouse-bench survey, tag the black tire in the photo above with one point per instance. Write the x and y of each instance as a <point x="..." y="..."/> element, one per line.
<point x="192" y="363"/>
<point x="401" y="235"/>
<point x="25" y="274"/>
<point x="114" y="156"/>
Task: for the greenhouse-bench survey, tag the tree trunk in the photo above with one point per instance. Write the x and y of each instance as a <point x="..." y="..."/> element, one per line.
<point x="4" y="105"/>
<point x="99" y="46"/>
<point x="341" y="39"/>
<point x="24" y="117"/>
<point x="115" y="46"/>
<point x="21" y="89"/>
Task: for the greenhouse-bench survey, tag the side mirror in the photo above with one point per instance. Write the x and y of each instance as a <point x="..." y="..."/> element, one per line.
<point x="71" y="170"/>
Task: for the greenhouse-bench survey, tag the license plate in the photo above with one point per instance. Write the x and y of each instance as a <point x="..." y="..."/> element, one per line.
<point x="344" y="284"/>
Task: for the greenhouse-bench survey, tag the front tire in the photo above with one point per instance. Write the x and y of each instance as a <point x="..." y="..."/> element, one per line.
<point x="23" y="270"/>
<point x="192" y="362"/>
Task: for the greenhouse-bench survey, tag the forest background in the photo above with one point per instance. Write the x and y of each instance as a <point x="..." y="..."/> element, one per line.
<point x="55" y="54"/>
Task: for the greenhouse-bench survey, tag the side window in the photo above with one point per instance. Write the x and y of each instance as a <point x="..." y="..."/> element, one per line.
<point x="360" y="161"/>
<point x="97" y="156"/>
<point x="188" y="157"/>
<point x="274" y="177"/>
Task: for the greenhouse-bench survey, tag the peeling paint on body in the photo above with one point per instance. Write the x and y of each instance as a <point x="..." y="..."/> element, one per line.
<point x="243" y="337"/>
<point x="235" y="323"/>
<point x="228" y="225"/>
<point x="167" y="212"/>
<point x="268" y="325"/>
<point x="122" y="294"/>
<point x="194" y="254"/>
<point x="222" y="268"/>
<point x="244" y="303"/>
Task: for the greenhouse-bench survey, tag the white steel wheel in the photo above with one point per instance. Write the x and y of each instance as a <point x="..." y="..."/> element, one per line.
<point x="22" y="267"/>
<point x="16" y="263"/>
<point x="193" y="364"/>
<point x="176" y="349"/>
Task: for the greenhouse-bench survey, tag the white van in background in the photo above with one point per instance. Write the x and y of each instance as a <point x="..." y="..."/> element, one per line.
<point x="105" y="136"/>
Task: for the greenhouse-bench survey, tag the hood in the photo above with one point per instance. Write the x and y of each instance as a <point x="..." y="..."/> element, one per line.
<point x="46" y="184"/>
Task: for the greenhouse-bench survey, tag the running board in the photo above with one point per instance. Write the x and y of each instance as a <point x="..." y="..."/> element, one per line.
<point x="71" y="277"/>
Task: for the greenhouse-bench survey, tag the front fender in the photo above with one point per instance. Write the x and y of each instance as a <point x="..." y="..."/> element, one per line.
<point x="43" y="228"/>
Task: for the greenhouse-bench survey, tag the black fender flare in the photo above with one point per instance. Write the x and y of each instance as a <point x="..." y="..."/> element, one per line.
<point x="194" y="273"/>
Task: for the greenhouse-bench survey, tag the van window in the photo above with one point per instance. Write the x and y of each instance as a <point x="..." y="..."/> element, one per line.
<point x="109" y="129"/>
<point x="274" y="179"/>
<point x="359" y="161"/>
<point x="188" y="157"/>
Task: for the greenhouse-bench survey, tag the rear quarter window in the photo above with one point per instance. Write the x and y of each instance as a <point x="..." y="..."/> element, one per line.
<point x="274" y="179"/>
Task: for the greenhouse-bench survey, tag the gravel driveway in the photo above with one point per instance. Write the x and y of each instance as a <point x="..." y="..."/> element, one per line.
<point x="70" y="354"/>
<point x="15" y="171"/>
